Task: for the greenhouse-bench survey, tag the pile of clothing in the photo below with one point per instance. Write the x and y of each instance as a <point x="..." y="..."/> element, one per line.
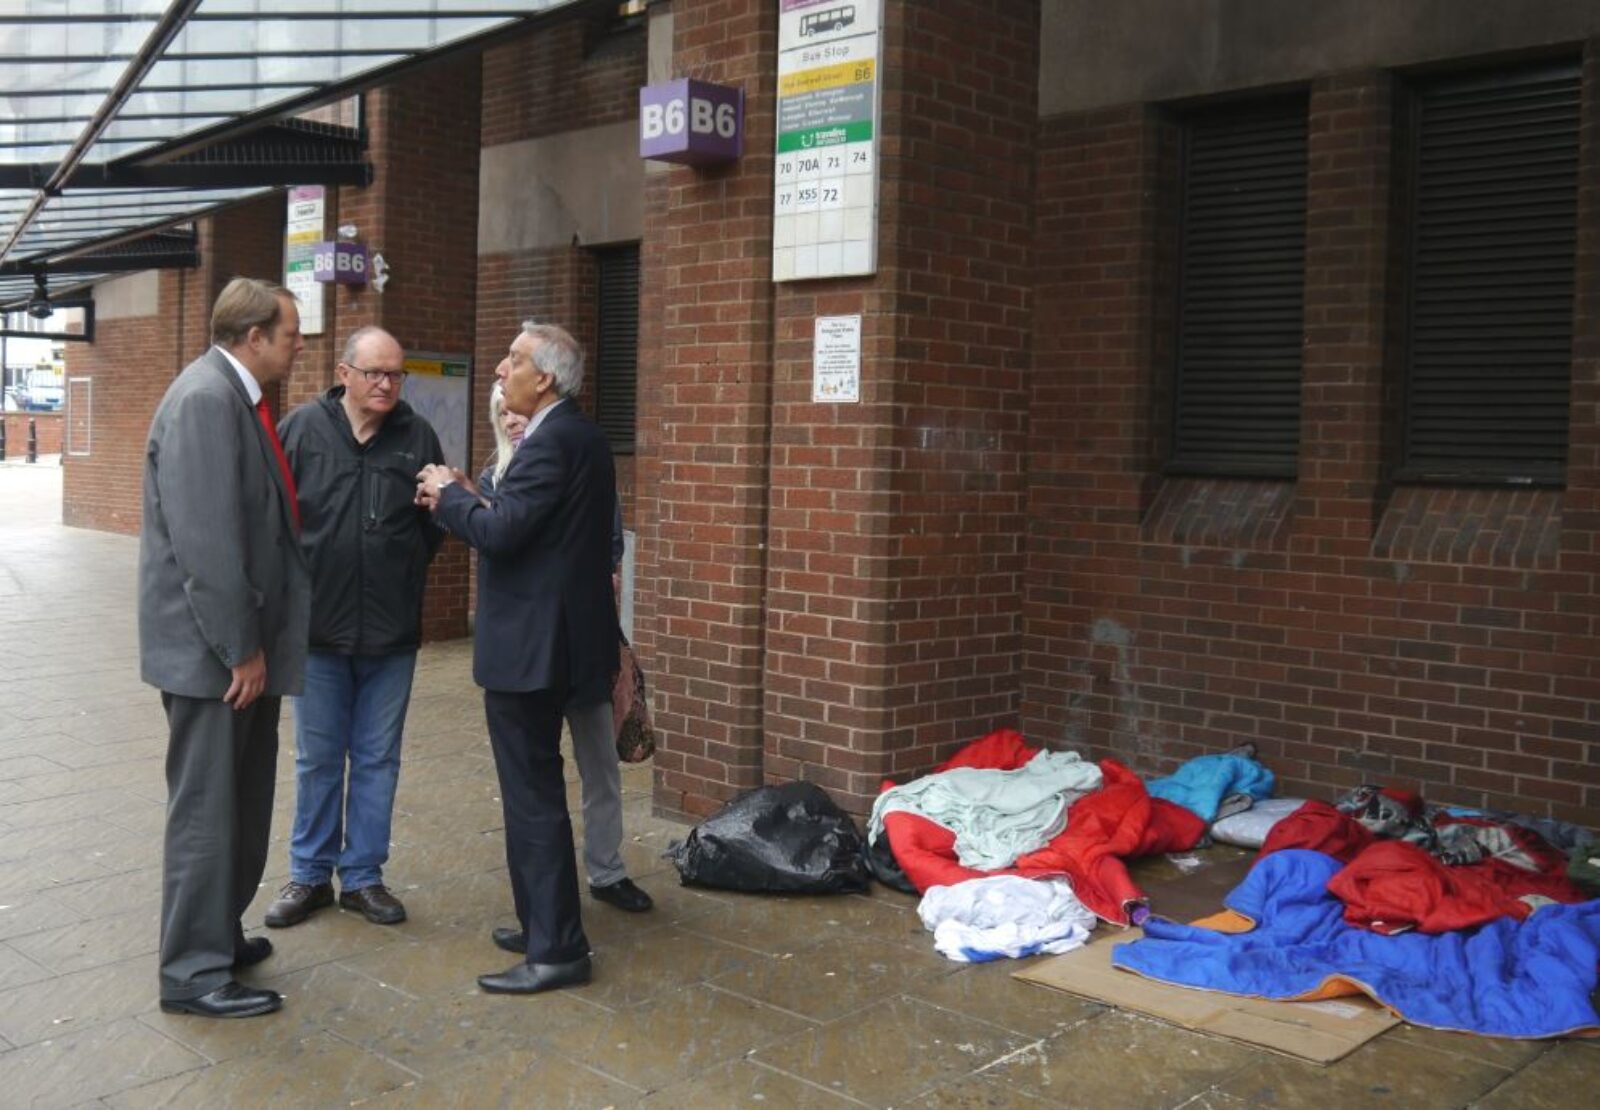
<point x="1456" y="919"/>
<point x="1018" y="850"/>
<point x="1287" y="936"/>
<point x="1002" y="807"/>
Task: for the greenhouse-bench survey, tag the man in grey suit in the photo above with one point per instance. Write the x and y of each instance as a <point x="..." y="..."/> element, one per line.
<point x="224" y="607"/>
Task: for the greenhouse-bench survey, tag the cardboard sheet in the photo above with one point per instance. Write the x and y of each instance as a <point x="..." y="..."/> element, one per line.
<point x="1321" y="1032"/>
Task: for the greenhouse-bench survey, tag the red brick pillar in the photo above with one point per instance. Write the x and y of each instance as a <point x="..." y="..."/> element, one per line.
<point x="137" y="352"/>
<point x="421" y="213"/>
<point x="852" y="609"/>
<point x="1104" y="232"/>
<point x="708" y="251"/>
<point x="1347" y="256"/>
<point x="896" y="547"/>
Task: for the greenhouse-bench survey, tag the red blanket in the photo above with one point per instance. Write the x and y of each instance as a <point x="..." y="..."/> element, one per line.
<point x="1117" y="822"/>
<point x="1391" y="886"/>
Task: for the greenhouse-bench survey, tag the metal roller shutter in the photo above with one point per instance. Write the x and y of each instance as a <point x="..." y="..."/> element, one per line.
<point x="617" y="359"/>
<point x="1241" y="291"/>
<point x="1493" y="229"/>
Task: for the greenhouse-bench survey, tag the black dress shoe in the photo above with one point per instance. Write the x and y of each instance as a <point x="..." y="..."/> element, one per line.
<point x="231" y="1000"/>
<point x="512" y="940"/>
<point x="374" y="903"/>
<point x="528" y="978"/>
<point x="623" y="895"/>
<point x="296" y="902"/>
<point x="252" y="952"/>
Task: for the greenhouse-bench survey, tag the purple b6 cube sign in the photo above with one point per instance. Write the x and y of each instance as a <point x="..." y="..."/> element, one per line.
<point x="689" y="121"/>
<point x="343" y="263"/>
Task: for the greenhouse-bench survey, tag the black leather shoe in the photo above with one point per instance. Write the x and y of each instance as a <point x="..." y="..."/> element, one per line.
<point x="623" y="895"/>
<point x="528" y="978"/>
<point x="374" y="903"/>
<point x="231" y="1000"/>
<point x="512" y="940"/>
<point x="298" y="901"/>
<point x="252" y="952"/>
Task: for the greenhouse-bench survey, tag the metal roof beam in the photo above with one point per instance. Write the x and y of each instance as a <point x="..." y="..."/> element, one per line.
<point x="131" y="234"/>
<point x="338" y="90"/>
<point x="242" y="86"/>
<point x="176" y="259"/>
<point x="189" y="175"/>
<point x="155" y="45"/>
<point x="369" y="15"/>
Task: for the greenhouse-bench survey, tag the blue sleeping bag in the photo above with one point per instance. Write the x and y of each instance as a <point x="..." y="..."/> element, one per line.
<point x="1200" y="784"/>
<point x="1534" y="978"/>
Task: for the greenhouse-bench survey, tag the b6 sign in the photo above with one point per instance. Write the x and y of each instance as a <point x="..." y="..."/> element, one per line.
<point x="689" y="121"/>
<point x="343" y="263"/>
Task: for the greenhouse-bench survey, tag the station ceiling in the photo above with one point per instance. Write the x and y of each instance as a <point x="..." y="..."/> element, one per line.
<point x="121" y="118"/>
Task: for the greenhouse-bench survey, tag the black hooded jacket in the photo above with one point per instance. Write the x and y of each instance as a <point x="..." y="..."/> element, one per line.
<point x="369" y="545"/>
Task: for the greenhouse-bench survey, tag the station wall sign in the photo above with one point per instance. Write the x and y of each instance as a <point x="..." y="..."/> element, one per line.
<point x="302" y="232"/>
<point x="691" y="122"/>
<point x="825" y="175"/>
<point x="339" y="262"/>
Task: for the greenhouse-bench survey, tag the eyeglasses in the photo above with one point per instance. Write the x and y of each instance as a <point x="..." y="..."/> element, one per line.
<point x="373" y="377"/>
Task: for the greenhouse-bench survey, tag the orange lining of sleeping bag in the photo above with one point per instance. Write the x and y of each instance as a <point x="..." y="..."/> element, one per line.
<point x="1231" y="921"/>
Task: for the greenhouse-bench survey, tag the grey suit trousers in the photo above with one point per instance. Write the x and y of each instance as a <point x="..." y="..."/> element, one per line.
<point x="594" y="746"/>
<point x="220" y="770"/>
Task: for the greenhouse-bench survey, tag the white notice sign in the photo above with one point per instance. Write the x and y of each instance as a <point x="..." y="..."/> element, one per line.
<point x="302" y="232"/>
<point x="836" y="359"/>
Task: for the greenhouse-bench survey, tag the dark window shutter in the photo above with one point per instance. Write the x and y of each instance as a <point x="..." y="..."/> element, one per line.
<point x="617" y="357"/>
<point x="1241" y="291"/>
<point x="1493" y="233"/>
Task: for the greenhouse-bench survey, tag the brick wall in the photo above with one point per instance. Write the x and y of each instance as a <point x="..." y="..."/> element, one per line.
<point x="421" y="212"/>
<point x="134" y="359"/>
<point x="709" y="249"/>
<point x="643" y="507"/>
<point x="48" y="428"/>
<point x="1436" y="638"/>
<point x="562" y="78"/>
<point x="569" y="77"/>
<point x="835" y="589"/>
<point x="894" y="583"/>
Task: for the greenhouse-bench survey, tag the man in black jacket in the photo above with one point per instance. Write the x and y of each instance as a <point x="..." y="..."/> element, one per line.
<point x="546" y="636"/>
<point x="354" y="452"/>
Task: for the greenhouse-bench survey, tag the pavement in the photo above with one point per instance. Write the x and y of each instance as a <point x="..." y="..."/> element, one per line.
<point x="710" y="1000"/>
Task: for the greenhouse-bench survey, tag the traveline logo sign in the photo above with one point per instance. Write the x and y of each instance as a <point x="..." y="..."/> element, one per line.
<point x="692" y="122"/>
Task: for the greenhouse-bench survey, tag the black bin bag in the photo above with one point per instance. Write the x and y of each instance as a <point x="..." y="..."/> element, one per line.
<point x="788" y="839"/>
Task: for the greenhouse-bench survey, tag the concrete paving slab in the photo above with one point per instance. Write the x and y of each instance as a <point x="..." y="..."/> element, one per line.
<point x="713" y="999"/>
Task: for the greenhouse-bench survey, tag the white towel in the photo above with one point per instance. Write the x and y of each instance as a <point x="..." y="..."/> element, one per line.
<point x="1004" y="915"/>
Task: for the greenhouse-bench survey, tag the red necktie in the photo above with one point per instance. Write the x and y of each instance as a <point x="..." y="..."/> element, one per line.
<point x="283" y="462"/>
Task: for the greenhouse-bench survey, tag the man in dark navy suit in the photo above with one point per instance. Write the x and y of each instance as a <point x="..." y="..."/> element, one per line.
<point x="546" y="635"/>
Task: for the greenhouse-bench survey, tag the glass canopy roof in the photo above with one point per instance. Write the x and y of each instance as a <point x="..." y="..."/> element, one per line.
<point x="97" y="90"/>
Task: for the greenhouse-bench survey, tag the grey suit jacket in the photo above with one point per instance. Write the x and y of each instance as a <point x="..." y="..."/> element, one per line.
<point x="221" y="571"/>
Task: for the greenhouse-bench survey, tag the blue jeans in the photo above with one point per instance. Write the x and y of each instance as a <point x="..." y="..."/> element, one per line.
<point x="353" y="709"/>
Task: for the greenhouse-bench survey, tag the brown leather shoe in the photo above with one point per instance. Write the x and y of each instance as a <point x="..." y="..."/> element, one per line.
<point x="298" y="901"/>
<point x="374" y="903"/>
